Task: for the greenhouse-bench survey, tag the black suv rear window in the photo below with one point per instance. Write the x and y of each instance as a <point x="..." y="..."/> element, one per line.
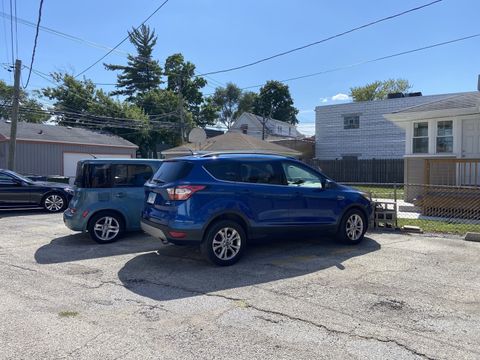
<point x="171" y="171"/>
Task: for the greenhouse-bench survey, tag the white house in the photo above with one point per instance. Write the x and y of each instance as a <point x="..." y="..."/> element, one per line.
<point x="359" y="129"/>
<point x="442" y="144"/>
<point x="253" y="125"/>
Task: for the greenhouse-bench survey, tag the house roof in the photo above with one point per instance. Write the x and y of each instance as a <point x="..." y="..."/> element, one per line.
<point x="271" y="124"/>
<point x="233" y="142"/>
<point x="458" y="101"/>
<point x="213" y="132"/>
<point x="62" y="134"/>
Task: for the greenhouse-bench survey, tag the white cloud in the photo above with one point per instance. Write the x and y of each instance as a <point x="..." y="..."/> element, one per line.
<point x="324" y="100"/>
<point x="341" y="97"/>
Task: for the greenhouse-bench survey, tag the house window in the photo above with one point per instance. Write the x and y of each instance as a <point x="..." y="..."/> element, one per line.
<point x="420" y="138"/>
<point x="351" y="121"/>
<point x="289" y="131"/>
<point x="244" y="128"/>
<point x="445" y="136"/>
<point x="279" y="129"/>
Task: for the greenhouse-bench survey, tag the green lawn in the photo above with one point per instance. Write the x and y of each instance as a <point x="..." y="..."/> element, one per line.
<point x="436" y="226"/>
<point x="381" y="192"/>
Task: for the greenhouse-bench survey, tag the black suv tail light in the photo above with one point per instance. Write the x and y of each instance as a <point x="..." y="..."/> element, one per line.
<point x="183" y="192"/>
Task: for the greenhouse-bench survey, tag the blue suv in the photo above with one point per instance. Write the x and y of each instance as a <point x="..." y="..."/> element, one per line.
<point x="222" y="201"/>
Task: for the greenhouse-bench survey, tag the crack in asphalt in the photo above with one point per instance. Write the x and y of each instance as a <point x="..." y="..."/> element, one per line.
<point x="18" y="266"/>
<point x="290" y="317"/>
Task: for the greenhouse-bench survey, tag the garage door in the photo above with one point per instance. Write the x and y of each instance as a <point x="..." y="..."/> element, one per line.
<point x="70" y="160"/>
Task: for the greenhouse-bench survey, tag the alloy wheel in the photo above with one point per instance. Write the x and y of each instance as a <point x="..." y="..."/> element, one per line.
<point x="54" y="203"/>
<point x="354" y="227"/>
<point x="226" y="243"/>
<point x="106" y="228"/>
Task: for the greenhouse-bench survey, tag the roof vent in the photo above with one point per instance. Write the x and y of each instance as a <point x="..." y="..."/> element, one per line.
<point x="69" y="127"/>
<point x="413" y="94"/>
<point x="8" y="121"/>
<point x="40" y="132"/>
<point x="396" y="95"/>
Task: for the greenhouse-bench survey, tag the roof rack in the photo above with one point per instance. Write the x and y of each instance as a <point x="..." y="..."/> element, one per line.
<point x="218" y="153"/>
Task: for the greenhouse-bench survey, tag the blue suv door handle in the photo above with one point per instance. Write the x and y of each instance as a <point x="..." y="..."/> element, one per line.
<point x="120" y="195"/>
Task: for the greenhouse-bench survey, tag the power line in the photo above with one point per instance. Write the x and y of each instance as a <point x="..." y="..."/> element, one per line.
<point x="16" y="29"/>
<point x="5" y="37"/>
<point x="86" y="42"/>
<point x="124" y="39"/>
<point x="35" y="42"/>
<point x="11" y="31"/>
<point x="368" y="61"/>
<point x="321" y="41"/>
<point x="63" y="35"/>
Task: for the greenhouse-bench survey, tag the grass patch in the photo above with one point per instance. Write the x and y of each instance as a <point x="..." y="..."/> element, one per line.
<point x="241" y="304"/>
<point x="381" y="192"/>
<point x="67" y="314"/>
<point x="436" y="226"/>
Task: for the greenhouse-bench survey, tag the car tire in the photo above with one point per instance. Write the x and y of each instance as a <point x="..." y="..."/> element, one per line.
<point x="352" y="227"/>
<point x="224" y="243"/>
<point x="54" y="202"/>
<point x="106" y="227"/>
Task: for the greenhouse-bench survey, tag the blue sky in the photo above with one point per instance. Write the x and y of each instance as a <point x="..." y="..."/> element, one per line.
<point x="215" y="34"/>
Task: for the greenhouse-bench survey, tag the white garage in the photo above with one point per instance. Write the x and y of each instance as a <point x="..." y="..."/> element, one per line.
<point x="49" y="150"/>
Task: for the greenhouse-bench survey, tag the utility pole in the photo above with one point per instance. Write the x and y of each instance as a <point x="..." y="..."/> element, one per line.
<point x="14" y="116"/>
<point x="180" y="109"/>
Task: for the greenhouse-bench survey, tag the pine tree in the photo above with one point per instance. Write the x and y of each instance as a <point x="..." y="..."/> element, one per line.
<point x="142" y="74"/>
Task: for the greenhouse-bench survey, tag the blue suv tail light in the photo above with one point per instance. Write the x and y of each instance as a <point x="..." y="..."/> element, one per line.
<point x="183" y="192"/>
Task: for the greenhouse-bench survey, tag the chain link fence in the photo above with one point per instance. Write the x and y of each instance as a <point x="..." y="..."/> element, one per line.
<point x="432" y="208"/>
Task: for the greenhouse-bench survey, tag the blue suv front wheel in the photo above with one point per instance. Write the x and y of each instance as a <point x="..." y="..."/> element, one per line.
<point x="224" y="242"/>
<point x="352" y="227"/>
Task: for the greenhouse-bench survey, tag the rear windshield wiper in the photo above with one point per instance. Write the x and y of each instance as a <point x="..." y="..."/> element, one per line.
<point x="158" y="181"/>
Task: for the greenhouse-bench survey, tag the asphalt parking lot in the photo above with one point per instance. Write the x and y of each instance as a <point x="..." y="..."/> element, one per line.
<point x="392" y="297"/>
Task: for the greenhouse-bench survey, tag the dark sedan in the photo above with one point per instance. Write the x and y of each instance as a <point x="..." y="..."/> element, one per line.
<point x="17" y="191"/>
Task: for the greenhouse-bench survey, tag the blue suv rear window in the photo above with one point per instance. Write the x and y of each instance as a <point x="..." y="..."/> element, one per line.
<point x="223" y="170"/>
<point x="171" y="171"/>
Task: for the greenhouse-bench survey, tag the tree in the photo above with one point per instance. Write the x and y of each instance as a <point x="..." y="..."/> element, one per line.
<point x="208" y="113"/>
<point x="142" y="73"/>
<point x="80" y="103"/>
<point x="227" y="99"/>
<point x="30" y="109"/>
<point x="379" y="90"/>
<point x="274" y="101"/>
<point x="246" y="103"/>
<point x="181" y="79"/>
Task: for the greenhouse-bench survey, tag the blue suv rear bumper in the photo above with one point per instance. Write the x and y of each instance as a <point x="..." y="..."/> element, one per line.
<point x="167" y="233"/>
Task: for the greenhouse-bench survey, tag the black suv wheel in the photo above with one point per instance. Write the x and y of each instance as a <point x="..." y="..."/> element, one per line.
<point x="224" y="243"/>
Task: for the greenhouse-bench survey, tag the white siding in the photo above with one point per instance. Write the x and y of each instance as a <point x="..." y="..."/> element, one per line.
<point x="376" y="137"/>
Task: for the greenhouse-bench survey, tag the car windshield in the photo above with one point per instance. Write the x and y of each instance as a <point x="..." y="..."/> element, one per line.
<point x="20" y="177"/>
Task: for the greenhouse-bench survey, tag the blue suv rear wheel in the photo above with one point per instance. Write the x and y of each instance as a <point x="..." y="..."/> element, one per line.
<point x="224" y="242"/>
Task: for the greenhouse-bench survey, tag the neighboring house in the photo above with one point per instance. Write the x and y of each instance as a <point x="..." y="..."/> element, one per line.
<point x="213" y="132"/>
<point x="442" y="144"/>
<point x="358" y="130"/>
<point x="231" y="143"/>
<point x="55" y="150"/>
<point x="253" y="125"/>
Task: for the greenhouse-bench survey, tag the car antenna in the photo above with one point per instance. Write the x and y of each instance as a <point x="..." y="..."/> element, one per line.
<point x="92" y="156"/>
